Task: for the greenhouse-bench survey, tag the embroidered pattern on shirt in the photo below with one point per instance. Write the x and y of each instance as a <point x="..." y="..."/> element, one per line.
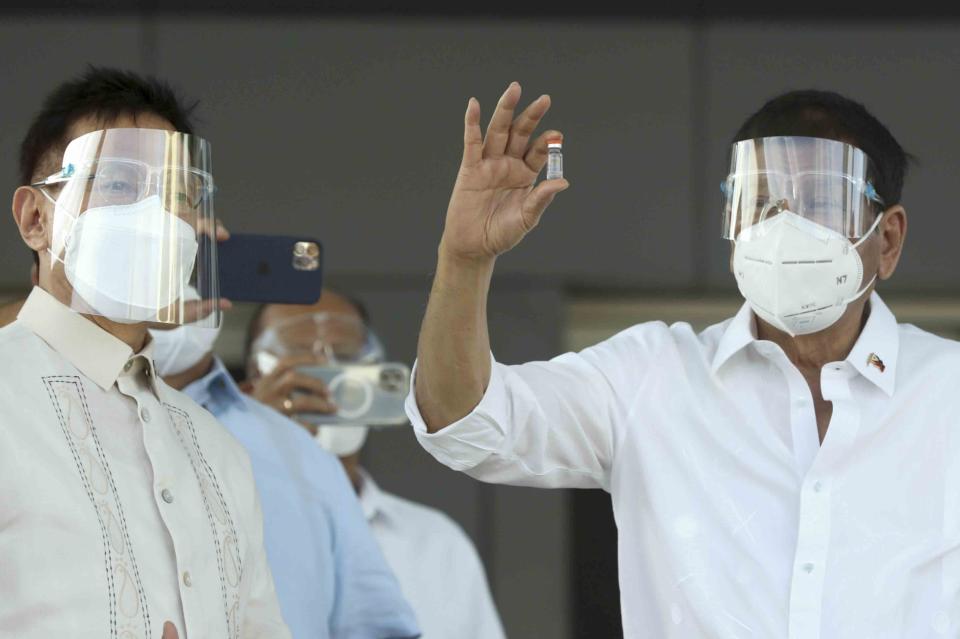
<point x="224" y="532"/>
<point x="126" y="596"/>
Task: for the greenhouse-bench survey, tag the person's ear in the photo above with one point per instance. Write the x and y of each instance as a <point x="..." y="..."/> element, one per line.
<point x="893" y="231"/>
<point x="28" y="206"/>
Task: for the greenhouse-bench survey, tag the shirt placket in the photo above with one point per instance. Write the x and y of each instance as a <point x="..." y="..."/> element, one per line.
<point x="170" y="470"/>
<point x="813" y="534"/>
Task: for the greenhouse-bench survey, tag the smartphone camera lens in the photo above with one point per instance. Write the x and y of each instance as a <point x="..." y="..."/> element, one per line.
<point x="306" y="256"/>
<point x="392" y="380"/>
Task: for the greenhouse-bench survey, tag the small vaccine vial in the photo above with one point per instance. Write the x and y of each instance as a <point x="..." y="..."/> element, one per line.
<point x="554" y="158"/>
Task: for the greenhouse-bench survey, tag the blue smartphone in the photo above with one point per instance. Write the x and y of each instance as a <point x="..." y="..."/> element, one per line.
<point x="270" y="269"/>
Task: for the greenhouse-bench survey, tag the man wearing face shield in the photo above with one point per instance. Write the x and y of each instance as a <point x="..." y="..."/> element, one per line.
<point x="790" y="472"/>
<point x="128" y="511"/>
<point x="435" y="562"/>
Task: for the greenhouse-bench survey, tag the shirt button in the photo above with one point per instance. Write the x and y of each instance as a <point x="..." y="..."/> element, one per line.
<point x="808" y="568"/>
<point x="187" y="581"/>
<point x="167" y="495"/>
<point x="144" y="414"/>
<point x="127" y="366"/>
<point x="817" y="487"/>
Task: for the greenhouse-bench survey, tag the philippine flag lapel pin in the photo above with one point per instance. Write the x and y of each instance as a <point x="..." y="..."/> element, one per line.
<point x="873" y="360"/>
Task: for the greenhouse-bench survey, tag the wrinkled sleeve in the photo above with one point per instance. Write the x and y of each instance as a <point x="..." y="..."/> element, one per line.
<point x="547" y="424"/>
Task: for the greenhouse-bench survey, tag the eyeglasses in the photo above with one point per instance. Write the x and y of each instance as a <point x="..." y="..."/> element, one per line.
<point x="118" y="181"/>
<point x="831" y="199"/>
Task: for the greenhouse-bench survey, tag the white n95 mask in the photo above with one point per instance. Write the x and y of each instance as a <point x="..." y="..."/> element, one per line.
<point x="130" y="261"/>
<point x="797" y="275"/>
<point x="341" y="441"/>
<point x="179" y="349"/>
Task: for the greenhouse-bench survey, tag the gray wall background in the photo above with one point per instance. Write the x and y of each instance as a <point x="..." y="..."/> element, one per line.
<point x="350" y="130"/>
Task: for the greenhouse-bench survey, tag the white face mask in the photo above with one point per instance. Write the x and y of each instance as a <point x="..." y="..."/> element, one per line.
<point x="118" y="259"/>
<point x="341" y="441"/>
<point x="797" y="275"/>
<point x="179" y="349"/>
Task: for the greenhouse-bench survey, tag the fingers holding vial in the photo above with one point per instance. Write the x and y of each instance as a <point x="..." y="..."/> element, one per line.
<point x="555" y="157"/>
<point x="538" y="154"/>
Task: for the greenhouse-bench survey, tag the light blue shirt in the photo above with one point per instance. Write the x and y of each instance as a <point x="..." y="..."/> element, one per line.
<point x="331" y="578"/>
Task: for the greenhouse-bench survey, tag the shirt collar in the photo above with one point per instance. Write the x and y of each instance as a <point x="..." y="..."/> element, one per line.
<point x="93" y="351"/>
<point x="740" y="331"/>
<point x="371" y="497"/>
<point x="216" y="387"/>
<point x="874" y="355"/>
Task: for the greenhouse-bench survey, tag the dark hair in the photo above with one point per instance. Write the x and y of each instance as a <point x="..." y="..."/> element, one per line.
<point x="824" y="114"/>
<point x="105" y="94"/>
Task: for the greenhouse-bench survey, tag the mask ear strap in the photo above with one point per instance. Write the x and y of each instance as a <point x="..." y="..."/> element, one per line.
<point x="43" y="192"/>
<point x="54" y="257"/>
<point x="69" y="235"/>
<point x="46" y="195"/>
<point x="873" y="227"/>
<point x="862" y="290"/>
<point x="858" y="243"/>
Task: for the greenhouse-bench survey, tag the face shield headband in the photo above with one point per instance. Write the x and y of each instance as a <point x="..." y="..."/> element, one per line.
<point x="826" y="182"/>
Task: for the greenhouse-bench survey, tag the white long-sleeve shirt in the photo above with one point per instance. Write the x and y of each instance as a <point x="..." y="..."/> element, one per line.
<point x="733" y="520"/>
<point x="439" y="570"/>
<point x="124" y="504"/>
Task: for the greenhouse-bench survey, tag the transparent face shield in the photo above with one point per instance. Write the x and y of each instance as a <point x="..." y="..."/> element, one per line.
<point x="824" y="181"/>
<point x="134" y="229"/>
<point x="326" y="338"/>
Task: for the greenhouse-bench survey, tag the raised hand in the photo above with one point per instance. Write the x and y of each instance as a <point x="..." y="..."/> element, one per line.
<point x="494" y="202"/>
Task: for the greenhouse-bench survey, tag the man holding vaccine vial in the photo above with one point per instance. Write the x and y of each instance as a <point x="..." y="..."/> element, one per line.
<point x="790" y="472"/>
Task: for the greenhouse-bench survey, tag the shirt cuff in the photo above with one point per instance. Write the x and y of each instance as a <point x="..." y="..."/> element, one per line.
<point x="471" y="439"/>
